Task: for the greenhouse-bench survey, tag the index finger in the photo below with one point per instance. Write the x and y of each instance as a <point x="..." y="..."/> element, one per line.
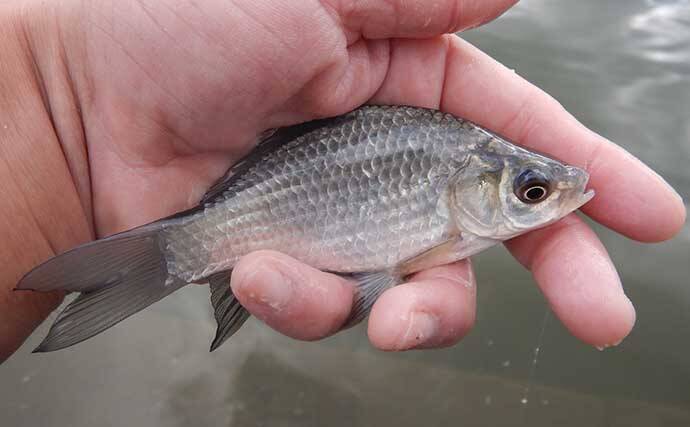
<point x="451" y="74"/>
<point x="382" y="19"/>
<point x="631" y="198"/>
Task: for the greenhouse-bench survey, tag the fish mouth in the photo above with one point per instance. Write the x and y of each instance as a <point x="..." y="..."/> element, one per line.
<point x="578" y="184"/>
<point x="576" y="202"/>
<point x="584" y="198"/>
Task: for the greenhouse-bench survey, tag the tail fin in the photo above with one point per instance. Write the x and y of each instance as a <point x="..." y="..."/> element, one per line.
<point x="117" y="277"/>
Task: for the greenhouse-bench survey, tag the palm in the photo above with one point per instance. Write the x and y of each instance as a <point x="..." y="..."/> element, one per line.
<point x="173" y="120"/>
<point x="179" y="91"/>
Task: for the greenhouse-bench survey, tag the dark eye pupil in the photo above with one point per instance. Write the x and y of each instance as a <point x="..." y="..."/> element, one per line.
<point x="535" y="193"/>
<point x="531" y="186"/>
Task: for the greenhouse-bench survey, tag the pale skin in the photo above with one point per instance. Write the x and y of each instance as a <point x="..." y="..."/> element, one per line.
<point x="116" y="113"/>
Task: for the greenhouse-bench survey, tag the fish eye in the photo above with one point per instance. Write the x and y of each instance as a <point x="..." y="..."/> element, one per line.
<point x="531" y="186"/>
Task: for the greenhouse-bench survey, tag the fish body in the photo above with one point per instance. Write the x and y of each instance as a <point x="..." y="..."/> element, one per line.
<point x="362" y="193"/>
<point x="375" y="194"/>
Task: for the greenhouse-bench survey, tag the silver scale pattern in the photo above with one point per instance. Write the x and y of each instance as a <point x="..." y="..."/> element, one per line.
<point x="362" y="195"/>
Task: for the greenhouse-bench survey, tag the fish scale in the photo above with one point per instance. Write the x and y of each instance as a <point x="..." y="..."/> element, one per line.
<point x="344" y="198"/>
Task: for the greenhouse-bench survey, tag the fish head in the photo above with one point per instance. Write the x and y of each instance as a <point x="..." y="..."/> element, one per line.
<point x="504" y="191"/>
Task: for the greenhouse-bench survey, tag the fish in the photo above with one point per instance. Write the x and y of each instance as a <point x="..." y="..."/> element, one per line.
<point x="373" y="195"/>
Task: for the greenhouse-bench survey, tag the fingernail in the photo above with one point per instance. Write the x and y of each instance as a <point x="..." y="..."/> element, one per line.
<point x="269" y="287"/>
<point x="605" y="346"/>
<point x="466" y="281"/>
<point x="464" y="276"/>
<point x="421" y="329"/>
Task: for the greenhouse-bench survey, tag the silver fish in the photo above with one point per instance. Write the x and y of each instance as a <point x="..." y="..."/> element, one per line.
<point x="374" y="195"/>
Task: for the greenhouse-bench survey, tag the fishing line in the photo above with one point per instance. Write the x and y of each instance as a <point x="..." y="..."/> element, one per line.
<point x="533" y="367"/>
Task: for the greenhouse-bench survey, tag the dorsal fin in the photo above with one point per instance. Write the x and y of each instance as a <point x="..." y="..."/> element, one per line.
<point x="268" y="142"/>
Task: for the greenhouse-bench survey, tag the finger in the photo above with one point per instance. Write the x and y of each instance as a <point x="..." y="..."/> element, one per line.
<point x="22" y="312"/>
<point x="377" y="19"/>
<point x="452" y="74"/>
<point x="435" y="309"/>
<point x="292" y="298"/>
<point x="578" y="279"/>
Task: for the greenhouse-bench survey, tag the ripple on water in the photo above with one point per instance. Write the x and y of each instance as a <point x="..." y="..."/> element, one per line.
<point x="663" y="31"/>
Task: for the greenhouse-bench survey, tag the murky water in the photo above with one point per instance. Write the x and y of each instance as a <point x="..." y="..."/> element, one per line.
<point x="623" y="68"/>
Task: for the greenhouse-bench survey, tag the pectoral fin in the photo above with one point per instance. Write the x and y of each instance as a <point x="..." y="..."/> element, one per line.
<point x="448" y="252"/>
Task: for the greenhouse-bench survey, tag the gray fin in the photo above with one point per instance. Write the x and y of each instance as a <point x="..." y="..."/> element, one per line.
<point x="452" y="250"/>
<point x="117" y="277"/>
<point x="229" y="314"/>
<point x="269" y="141"/>
<point x="369" y="287"/>
<point x="98" y="264"/>
<point x="93" y="312"/>
<point x="441" y="254"/>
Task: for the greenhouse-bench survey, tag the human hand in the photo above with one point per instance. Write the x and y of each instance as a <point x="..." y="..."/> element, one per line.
<point x="170" y="93"/>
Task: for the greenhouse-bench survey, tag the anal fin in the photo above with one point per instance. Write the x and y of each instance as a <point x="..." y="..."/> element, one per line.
<point x="229" y="313"/>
